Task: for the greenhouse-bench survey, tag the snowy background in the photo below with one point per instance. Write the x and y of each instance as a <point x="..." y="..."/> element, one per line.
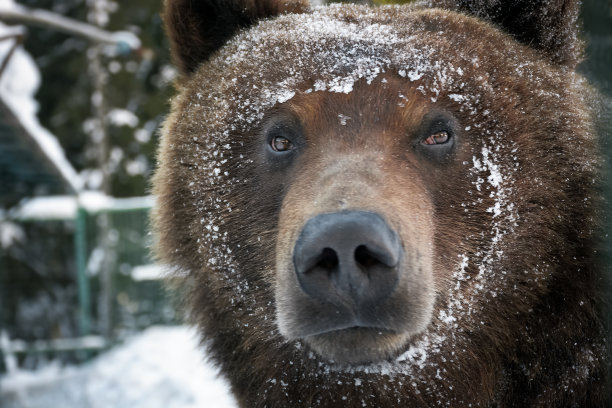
<point x="161" y="367"/>
<point x="49" y="88"/>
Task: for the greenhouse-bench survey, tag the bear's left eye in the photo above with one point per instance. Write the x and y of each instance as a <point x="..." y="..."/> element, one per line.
<point x="281" y="144"/>
<point x="437" y="138"/>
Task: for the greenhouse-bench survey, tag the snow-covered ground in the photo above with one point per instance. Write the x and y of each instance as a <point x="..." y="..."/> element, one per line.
<point x="162" y="367"/>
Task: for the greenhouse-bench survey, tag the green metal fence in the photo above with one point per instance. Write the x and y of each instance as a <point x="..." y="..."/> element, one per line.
<point x="100" y="276"/>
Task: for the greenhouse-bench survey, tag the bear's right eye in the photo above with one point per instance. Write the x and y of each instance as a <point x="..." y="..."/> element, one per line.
<point x="281" y="144"/>
<point x="437" y="138"/>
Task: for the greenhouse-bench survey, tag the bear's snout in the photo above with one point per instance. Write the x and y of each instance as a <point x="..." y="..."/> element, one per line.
<point x="348" y="258"/>
<point x="354" y="276"/>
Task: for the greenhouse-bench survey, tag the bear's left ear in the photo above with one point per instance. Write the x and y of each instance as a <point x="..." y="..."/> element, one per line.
<point x="550" y="26"/>
<point x="197" y="28"/>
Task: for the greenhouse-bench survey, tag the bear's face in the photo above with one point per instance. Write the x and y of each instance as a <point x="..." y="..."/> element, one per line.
<point x="373" y="185"/>
<point x="341" y="115"/>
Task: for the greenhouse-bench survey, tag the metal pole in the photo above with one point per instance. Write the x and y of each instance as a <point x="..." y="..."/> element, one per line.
<point x="80" y="247"/>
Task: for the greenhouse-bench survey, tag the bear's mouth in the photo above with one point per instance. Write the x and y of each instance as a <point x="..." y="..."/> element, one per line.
<point x="353" y="329"/>
<point x="357" y="345"/>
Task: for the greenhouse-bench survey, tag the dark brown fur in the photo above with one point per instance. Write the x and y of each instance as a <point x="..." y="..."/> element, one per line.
<point x="550" y="26"/>
<point x="227" y="216"/>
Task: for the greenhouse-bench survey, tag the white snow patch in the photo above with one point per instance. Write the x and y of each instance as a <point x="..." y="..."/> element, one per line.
<point x="122" y="117"/>
<point x="457" y="97"/>
<point x="8" y="4"/>
<point x="65" y="207"/>
<point x="148" y="272"/>
<point x="416" y="354"/>
<point x="446" y="317"/>
<point x="10" y="233"/>
<point x="46" y="208"/>
<point x="415" y="75"/>
<point x="162" y="367"/>
<point x="142" y="135"/>
<point x="285" y="96"/>
<point x="137" y="166"/>
<point x="343" y="119"/>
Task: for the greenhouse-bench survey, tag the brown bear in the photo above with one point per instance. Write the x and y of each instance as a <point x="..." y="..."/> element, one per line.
<point x="383" y="207"/>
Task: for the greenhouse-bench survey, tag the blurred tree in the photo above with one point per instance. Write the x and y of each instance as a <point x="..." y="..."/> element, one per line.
<point x="106" y="117"/>
<point x="136" y="88"/>
<point x="597" y="20"/>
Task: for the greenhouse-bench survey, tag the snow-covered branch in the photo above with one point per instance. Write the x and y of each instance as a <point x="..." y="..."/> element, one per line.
<point x="12" y="12"/>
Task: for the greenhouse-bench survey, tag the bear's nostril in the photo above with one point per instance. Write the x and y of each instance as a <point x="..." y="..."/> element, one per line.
<point x="365" y="257"/>
<point x="371" y="256"/>
<point x="328" y="260"/>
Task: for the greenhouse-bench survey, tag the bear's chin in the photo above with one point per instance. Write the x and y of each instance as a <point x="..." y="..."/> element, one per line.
<point x="358" y="345"/>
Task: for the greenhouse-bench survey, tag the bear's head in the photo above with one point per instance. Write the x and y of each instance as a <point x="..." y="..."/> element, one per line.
<point x="352" y="193"/>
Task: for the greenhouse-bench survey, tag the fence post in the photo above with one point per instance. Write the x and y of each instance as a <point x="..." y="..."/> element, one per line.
<point x="80" y="246"/>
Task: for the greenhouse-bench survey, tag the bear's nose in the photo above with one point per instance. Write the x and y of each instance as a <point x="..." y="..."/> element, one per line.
<point x="350" y="258"/>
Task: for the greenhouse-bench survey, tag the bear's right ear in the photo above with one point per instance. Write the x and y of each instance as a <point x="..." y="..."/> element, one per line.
<point x="197" y="28"/>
